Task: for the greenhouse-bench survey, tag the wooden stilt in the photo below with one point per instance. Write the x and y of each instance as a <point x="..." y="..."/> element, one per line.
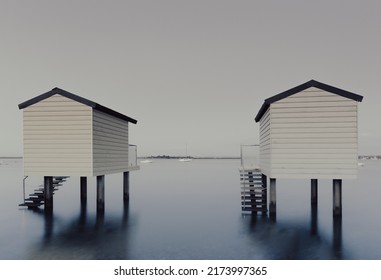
<point x="83" y="190"/>
<point x="272" y="197"/>
<point x="48" y="190"/>
<point x="100" y="194"/>
<point x="337" y="199"/>
<point x="126" y="186"/>
<point x="314" y="192"/>
<point x="264" y="185"/>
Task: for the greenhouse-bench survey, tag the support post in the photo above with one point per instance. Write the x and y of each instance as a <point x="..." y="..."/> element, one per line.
<point x="314" y="192"/>
<point x="83" y="184"/>
<point x="272" y="197"/>
<point x="126" y="186"/>
<point x="264" y="192"/>
<point x="337" y="199"/>
<point x="48" y="191"/>
<point x="100" y="194"/>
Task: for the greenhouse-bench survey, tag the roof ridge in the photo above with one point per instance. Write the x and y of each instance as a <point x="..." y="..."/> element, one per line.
<point x="301" y="87"/>
<point x="77" y="98"/>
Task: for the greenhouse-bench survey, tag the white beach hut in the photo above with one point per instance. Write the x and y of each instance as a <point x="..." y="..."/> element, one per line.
<point x="68" y="135"/>
<point x="310" y="131"/>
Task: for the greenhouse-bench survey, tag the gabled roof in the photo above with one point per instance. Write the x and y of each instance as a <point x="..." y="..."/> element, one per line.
<point x="312" y="83"/>
<point x="77" y="98"/>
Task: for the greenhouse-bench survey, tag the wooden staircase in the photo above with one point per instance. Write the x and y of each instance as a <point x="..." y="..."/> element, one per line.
<point x="253" y="193"/>
<point x="37" y="198"/>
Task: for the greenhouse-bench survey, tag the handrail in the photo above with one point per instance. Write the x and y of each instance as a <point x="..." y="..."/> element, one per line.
<point x="241" y="154"/>
<point x="132" y="155"/>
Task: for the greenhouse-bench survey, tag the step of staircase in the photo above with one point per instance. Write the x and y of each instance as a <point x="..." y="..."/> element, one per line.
<point x="36" y="199"/>
<point x="253" y="194"/>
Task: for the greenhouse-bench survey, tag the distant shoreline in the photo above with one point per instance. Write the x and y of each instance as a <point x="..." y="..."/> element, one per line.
<point x="362" y="157"/>
<point x="179" y="157"/>
<point x="10" y="157"/>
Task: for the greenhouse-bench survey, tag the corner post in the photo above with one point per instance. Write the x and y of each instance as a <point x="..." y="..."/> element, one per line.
<point x="48" y="190"/>
<point x="100" y="194"/>
<point x="272" y="197"/>
<point x="337" y="198"/>
<point x="126" y="186"/>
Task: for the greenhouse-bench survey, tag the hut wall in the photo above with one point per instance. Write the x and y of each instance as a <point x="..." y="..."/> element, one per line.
<point x="110" y="144"/>
<point x="57" y="138"/>
<point x="313" y="134"/>
<point x="264" y="142"/>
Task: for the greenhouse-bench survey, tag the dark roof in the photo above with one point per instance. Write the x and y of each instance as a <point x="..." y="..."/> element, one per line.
<point x="312" y="83"/>
<point x="77" y="98"/>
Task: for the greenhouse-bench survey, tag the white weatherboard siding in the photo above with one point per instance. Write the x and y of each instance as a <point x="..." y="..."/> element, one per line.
<point x="110" y="144"/>
<point x="313" y="134"/>
<point x="57" y="138"/>
<point x="264" y="142"/>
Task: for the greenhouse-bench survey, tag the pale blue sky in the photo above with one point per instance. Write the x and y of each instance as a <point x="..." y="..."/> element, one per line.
<point x="191" y="72"/>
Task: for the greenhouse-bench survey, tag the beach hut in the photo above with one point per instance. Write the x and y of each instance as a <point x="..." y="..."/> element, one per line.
<point x="310" y="131"/>
<point x="68" y="135"/>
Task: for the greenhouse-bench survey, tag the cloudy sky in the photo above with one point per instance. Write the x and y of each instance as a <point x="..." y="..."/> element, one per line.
<point x="192" y="72"/>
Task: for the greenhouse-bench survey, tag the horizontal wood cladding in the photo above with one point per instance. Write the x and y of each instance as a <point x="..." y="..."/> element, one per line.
<point x="110" y="144"/>
<point x="322" y="119"/>
<point x="65" y="170"/>
<point x="57" y="138"/>
<point x="311" y="104"/>
<point x="265" y="142"/>
<point x="311" y="134"/>
<point x="316" y="174"/>
<point x="307" y="147"/>
<point x="320" y="160"/>
<point x="348" y="108"/>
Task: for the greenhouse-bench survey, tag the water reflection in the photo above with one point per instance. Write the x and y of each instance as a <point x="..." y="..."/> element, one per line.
<point x="281" y="240"/>
<point x="84" y="237"/>
<point x="337" y="238"/>
<point x="314" y="220"/>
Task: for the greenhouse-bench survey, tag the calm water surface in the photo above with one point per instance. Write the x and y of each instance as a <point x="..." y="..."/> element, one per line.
<point x="189" y="211"/>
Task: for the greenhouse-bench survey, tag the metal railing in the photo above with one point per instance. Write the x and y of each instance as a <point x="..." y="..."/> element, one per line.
<point x="132" y="156"/>
<point x="23" y="186"/>
<point x="250" y="156"/>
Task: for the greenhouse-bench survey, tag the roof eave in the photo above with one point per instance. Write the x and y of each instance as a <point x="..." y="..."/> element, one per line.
<point x="113" y="113"/>
<point x="262" y="111"/>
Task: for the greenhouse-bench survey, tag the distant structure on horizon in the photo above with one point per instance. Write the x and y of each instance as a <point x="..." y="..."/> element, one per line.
<point x="311" y="132"/>
<point x="68" y="135"/>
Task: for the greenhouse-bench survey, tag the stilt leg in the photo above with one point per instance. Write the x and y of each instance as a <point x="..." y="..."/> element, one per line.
<point x="337" y="200"/>
<point x="48" y="190"/>
<point x="100" y="194"/>
<point x="126" y="186"/>
<point x="264" y="192"/>
<point x="83" y="190"/>
<point x="314" y="192"/>
<point x="272" y="197"/>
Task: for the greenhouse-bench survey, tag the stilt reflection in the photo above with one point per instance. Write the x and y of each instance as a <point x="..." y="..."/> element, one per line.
<point x="314" y="220"/>
<point x="337" y="238"/>
<point x="85" y="237"/>
<point x="288" y="240"/>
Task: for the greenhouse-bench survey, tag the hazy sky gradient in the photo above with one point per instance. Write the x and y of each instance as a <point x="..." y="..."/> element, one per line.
<point x="191" y="72"/>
